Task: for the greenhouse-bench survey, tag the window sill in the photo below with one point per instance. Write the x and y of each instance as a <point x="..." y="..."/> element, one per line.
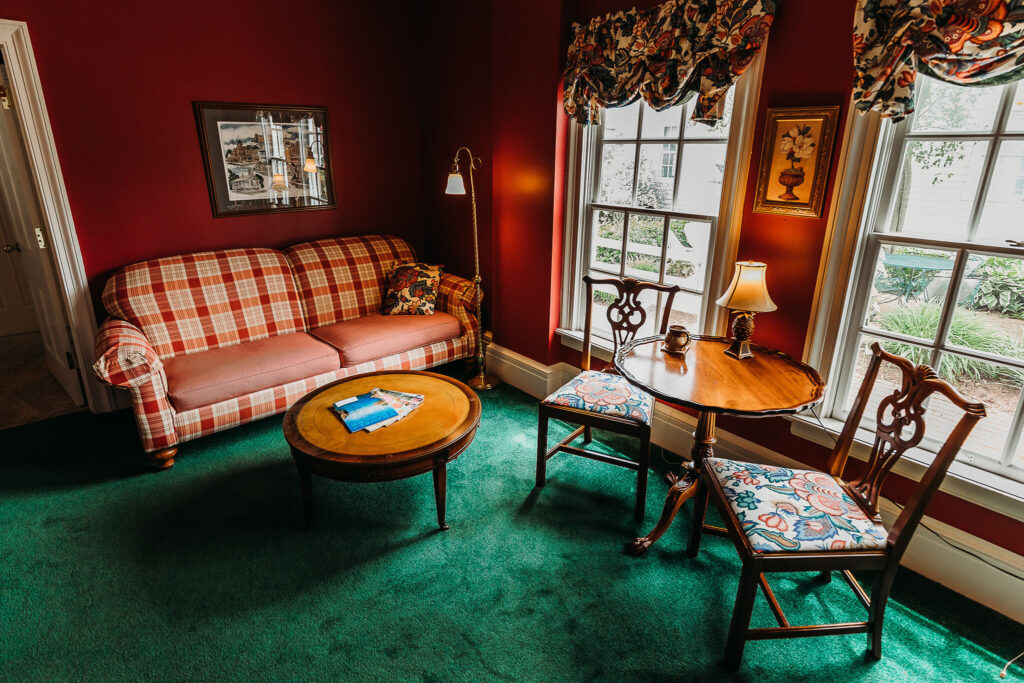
<point x="599" y="348"/>
<point x="964" y="481"/>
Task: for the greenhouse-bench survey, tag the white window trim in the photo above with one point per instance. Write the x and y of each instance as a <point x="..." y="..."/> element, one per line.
<point x="845" y="239"/>
<point x="722" y="254"/>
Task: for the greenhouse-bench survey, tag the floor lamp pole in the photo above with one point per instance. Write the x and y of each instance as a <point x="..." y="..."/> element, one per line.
<point x="481" y="381"/>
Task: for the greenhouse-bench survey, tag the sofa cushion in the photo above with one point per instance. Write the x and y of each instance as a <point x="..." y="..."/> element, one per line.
<point x="344" y="278"/>
<point x="207" y="300"/>
<point x="412" y="289"/>
<point x="376" y="336"/>
<point x="200" y="379"/>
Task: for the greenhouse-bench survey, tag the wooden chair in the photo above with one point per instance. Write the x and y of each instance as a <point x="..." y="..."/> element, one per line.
<point x="603" y="399"/>
<point x="783" y="520"/>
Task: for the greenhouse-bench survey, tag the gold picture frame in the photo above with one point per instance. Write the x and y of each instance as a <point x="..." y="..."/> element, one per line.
<point x="795" y="158"/>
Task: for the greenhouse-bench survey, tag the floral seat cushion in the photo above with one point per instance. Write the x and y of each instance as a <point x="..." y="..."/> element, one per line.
<point x="784" y="510"/>
<point x="600" y="392"/>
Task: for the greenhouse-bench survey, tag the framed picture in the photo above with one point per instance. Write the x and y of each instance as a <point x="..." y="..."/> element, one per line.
<point x="795" y="160"/>
<point x="265" y="158"/>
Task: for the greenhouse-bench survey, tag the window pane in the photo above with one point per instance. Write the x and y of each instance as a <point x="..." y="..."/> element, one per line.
<point x="936" y="188"/>
<point x="606" y="243"/>
<point x="643" y="252"/>
<point x="890" y="378"/>
<point x="701" y="131"/>
<point x="621" y="122"/>
<point x="662" y="124"/>
<point x="937" y="184"/>
<point x="908" y="288"/>
<point x="687" y="251"/>
<point x="1004" y="204"/>
<point x="657" y="177"/>
<point x="997" y="386"/>
<point x="989" y="315"/>
<point x="617" y="174"/>
<point x="1016" y="120"/>
<point x="700" y="182"/>
<point x="686" y="311"/>
<point x="946" y="107"/>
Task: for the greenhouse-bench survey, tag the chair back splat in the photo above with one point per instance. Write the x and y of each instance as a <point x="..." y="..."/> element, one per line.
<point x="900" y="426"/>
<point x="626" y="314"/>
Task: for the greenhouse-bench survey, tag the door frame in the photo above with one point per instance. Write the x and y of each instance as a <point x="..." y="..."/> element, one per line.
<point x="30" y="109"/>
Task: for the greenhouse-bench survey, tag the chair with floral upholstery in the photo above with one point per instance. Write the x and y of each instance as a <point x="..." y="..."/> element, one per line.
<point x="602" y="398"/>
<point x="791" y="520"/>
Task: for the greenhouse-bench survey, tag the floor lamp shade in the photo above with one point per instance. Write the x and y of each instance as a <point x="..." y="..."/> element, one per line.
<point x="455" y="184"/>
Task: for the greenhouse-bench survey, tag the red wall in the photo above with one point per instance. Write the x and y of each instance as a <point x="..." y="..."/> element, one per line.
<point x="456" y="51"/>
<point x="119" y="80"/>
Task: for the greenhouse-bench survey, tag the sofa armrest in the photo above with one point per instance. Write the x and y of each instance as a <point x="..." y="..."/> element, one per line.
<point x="124" y="357"/>
<point x="454" y="293"/>
<point x="457" y="296"/>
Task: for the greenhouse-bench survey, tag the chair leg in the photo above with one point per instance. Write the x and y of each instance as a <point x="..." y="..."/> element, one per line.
<point x="700" y="508"/>
<point x="644" y="462"/>
<point x="542" y="449"/>
<point x="826" y="577"/>
<point x="588" y="435"/>
<point x="741" y="616"/>
<point x="879" y="597"/>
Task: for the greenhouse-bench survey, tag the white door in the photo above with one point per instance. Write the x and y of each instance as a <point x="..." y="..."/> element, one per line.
<point x="21" y="222"/>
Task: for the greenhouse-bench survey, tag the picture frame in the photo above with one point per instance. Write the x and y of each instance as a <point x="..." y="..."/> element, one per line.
<point x="265" y="158"/>
<point x="795" y="158"/>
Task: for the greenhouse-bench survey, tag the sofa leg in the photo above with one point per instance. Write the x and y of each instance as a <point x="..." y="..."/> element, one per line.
<point x="162" y="460"/>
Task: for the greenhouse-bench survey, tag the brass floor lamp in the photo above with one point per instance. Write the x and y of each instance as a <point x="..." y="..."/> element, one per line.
<point x="457" y="186"/>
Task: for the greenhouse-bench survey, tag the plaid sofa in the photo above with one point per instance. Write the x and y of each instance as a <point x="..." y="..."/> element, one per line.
<point x="167" y="308"/>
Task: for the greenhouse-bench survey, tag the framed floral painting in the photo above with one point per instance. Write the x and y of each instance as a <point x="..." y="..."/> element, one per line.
<point x="795" y="160"/>
<point x="265" y="158"/>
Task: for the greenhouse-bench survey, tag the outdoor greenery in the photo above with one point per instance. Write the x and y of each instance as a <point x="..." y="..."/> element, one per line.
<point x="967" y="330"/>
<point x="646" y="230"/>
<point x="1000" y="287"/>
<point x="906" y="282"/>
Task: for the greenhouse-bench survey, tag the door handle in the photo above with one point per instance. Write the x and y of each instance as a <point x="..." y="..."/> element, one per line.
<point x="8" y="248"/>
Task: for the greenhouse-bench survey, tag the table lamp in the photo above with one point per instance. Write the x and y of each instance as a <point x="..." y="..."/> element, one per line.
<point x="747" y="294"/>
<point x="457" y="186"/>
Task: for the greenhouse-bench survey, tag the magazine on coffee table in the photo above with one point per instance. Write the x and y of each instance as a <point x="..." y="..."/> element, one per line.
<point x="375" y="409"/>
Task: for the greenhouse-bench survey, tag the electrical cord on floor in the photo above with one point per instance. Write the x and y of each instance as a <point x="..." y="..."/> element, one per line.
<point x="1002" y="674"/>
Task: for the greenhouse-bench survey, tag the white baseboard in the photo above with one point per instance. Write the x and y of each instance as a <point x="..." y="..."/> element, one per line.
<point x="927" y="554"/>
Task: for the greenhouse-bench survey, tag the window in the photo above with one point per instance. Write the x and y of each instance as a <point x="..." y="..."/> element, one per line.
<point x="940" y="276"/>
<point x="649" y="186"/>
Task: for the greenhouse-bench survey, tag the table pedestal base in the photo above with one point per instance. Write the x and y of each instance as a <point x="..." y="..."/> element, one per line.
<point x="685" y="488"/>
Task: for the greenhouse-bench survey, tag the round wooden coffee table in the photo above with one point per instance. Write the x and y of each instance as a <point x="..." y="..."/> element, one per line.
<point x="425" y="440"/>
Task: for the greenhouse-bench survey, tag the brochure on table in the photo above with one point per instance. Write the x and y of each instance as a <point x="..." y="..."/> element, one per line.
<point x="375" y="409"/>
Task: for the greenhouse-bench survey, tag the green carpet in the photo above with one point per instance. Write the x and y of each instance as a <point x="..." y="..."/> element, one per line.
<point x="202" y="572"/>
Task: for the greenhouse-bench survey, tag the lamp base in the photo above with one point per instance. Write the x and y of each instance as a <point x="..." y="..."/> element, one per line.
<point x="740" y="348"/>
<point x="483" y="382"/>
<point x="742" y="330"/>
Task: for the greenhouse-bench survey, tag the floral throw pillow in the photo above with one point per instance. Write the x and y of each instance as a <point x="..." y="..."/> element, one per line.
<point x="412" y="289"/>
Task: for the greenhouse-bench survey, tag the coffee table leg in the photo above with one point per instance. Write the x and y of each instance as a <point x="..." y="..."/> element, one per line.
<point x="306" y="485"/>
<point x="441" y="493"/>
<point x="685" y="487"/>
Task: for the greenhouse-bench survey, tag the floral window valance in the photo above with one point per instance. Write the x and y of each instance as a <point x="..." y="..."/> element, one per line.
<point x="664" y="55"/>
<point x="968" y="42"/>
